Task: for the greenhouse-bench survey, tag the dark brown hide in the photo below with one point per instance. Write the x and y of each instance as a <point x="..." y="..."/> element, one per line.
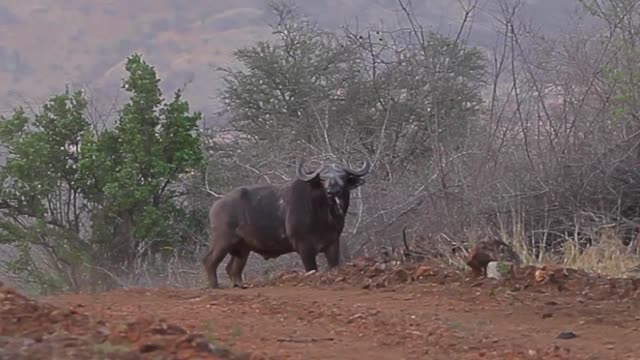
<point x="301" y="216"/>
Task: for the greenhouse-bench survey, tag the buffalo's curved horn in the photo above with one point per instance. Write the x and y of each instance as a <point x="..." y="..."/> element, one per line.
<point x="302" y="174"/>
<point x="364" y="170"/>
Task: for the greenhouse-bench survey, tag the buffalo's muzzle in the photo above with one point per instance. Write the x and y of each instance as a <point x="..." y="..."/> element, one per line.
<point x="334" y="193"/>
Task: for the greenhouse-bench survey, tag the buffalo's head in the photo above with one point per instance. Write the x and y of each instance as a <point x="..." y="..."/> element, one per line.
<point x="335" y="179"/>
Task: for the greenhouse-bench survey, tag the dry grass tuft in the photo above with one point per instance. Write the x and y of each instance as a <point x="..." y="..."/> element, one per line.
<point x="607" y="256"/>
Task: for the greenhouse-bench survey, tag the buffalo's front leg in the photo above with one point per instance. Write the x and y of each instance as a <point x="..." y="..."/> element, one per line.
<point x="333" y="255"/>
<point x="308" y="256"/>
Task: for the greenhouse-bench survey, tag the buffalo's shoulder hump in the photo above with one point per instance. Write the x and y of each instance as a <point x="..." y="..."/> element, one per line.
<point x="244" y="192"/>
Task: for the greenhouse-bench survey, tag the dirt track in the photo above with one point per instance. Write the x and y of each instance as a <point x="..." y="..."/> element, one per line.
<point x="433" y="315"/>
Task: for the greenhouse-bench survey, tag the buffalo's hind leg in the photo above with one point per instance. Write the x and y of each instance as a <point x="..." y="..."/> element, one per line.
<point x="212" y="260"/>
<point x="236" y="265"/>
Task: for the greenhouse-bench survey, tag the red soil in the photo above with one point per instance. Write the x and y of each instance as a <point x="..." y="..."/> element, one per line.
<point x="365" y="310"/>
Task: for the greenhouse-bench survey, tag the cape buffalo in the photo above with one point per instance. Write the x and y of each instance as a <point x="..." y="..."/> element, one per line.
<point x="305" y="216"/>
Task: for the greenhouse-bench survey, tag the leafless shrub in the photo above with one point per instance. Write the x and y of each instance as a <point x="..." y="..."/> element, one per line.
<point x="546" y="160"/>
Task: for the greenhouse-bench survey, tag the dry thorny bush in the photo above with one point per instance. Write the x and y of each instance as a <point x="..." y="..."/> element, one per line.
<point x="547" y="163"/>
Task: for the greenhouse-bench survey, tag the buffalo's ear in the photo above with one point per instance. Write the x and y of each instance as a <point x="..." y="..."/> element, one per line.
<point x="316" y="180"/>
<point x="354" y="182"/>
<point x="315" y="183"/>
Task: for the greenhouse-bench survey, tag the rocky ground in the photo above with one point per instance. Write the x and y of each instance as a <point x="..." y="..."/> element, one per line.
<point x="31" y="329"/>
<point x="364" y="310"/>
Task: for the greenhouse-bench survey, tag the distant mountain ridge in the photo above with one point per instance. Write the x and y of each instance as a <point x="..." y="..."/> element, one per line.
<point x="45" y="44"/>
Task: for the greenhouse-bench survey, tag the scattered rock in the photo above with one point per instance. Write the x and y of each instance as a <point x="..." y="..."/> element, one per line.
<point x="258" y="356"/>
<point x="422" y="271"/>
<point x="567" y="335"/>
<point x="354" y="318"/>
<point x="499" y="270"/>
<point x="401" y="275"/>
<point x="162" y="328"/>
<point x="149" y="347"/>
<point x="540" y="275"/>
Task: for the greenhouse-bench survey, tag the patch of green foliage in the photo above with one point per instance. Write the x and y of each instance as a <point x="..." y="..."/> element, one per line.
<point x="88" y="196"/>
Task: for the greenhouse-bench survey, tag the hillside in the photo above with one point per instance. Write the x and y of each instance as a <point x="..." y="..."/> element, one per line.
<point x="45" y="44"/>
